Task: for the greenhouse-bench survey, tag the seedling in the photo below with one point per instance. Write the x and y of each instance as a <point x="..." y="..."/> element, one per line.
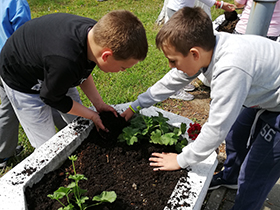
<point x="79" y="199"/>
<point x="156" y="129"/>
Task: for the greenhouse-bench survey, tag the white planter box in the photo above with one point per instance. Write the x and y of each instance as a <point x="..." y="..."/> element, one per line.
<point x="54" y="152"/>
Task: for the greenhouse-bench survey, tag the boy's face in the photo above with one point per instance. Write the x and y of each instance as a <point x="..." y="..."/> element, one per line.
<point x="188" y="64"/>
<point x="113" y="65"/>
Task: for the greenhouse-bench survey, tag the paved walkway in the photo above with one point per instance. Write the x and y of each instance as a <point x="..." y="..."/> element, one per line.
<point x="223" y="199"/>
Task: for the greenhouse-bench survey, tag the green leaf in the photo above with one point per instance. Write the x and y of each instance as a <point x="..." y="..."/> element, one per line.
<point x="69" y="207"/>
<point x="167" y="139"/>
<point x="183" y="127"/>
<point x="82" y="200"/>
<point x="77" y="177"/>
<point x="73" y="157"/>
<point x="132" y="140"/>
<point x="59" y="193"/>
<point x="155" y="137"/>
<point x="79" y="191"/>
<point x="106" y="196"/>
<point x="179" y="146"/>
<point x="71" y="185"/>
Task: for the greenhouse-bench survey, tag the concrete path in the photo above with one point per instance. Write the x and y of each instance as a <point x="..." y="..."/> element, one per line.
<point x="223" y="199"/>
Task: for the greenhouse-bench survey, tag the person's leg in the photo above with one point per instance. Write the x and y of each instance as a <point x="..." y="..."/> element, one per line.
<point x="236" y="144"/>
<point x="34" y="116"/>
<point x="9" y="126"/>
<point x="236" y="150"/>
<point x="261" y="167"/>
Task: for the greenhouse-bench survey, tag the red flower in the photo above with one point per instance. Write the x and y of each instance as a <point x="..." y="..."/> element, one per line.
<point x="194" y="130"/>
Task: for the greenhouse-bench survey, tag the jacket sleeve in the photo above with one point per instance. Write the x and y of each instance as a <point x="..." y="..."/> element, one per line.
<point x="20" y="15"/>
<point x="173" y="81"/>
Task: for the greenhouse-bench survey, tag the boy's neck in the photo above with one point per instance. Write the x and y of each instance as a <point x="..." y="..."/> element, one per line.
<point x="206" y="57"/>
<point x="93" y="50"/>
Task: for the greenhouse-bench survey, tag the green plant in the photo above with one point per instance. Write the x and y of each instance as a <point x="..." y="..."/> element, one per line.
<point x="155" y="128"/>
<point x="79" y="199"/>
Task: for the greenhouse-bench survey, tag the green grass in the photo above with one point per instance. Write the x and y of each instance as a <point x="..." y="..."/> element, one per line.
<point x="120" y="87"/>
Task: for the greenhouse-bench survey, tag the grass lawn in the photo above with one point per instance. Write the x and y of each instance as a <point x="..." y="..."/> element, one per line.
<point x="120" y="87"/>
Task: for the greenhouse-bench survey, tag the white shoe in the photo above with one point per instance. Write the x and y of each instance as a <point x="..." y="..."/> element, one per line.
<point x="189" y="88"/>
<point x="182" y="95"/>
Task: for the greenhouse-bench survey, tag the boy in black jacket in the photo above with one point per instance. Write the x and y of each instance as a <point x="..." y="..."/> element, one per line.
<point x="50" y="54"/>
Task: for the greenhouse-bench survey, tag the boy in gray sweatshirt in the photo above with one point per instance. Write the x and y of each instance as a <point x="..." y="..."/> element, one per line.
<point x="244" y="74"/>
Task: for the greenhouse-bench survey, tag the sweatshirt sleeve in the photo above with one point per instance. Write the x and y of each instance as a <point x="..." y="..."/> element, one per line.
<point x="21" y="15"/>
<point x="227" y="101"/>
<point x="173" y="81"/>
<point x="209" y="3"/>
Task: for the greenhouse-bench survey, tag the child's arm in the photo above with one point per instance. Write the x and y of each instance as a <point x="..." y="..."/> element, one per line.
<point x="173" y="81"/>
<point x="80" y="110"/>
<point x="91" y="92"/>
<point x="240" y="3"/>
<point x="219" y="5"/>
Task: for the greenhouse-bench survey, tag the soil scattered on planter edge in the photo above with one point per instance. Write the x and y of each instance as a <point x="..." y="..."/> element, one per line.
<point x="111" y="166"/>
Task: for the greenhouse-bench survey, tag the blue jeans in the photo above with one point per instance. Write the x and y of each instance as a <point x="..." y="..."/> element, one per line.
<point x="256" y="168"/>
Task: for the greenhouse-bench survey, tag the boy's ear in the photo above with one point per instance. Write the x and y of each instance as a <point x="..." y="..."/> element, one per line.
<point x="105" y="54"/>
<point x="195" y="53"/>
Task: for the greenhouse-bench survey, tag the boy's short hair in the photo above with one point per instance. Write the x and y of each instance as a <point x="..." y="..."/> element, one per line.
<point x="123" y="33"/>
<point x="187" y="28"/>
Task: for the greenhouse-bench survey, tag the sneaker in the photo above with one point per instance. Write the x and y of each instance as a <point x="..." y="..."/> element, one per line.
<point x="19" y="150"/>
<point x="217" y="181"/>
<point x="4" y="161"/>
<point x="182" y="95"/>
<point x="189" y="88"/>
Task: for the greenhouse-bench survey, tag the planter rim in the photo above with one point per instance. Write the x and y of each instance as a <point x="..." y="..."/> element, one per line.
<point x="55" y="151"/>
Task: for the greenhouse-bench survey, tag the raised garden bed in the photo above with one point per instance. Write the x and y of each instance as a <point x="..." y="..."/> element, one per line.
<point x="122" y="166"/>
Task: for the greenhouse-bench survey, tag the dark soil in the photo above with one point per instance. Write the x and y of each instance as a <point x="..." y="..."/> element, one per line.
<point x="228" y="25"/>
<point x="111" y="166"/>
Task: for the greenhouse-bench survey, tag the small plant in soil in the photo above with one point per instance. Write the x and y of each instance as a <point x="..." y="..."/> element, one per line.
<point x="154" y="128"/>
<point x="79" y="199"/>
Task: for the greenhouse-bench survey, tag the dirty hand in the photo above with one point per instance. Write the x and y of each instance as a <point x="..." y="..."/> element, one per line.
<point x="127" y="114"/>
<point x="228" y="7"/>
<point x="164" y="161"/>
<point x="98" y="122"/>
<point x="105" y="108"/>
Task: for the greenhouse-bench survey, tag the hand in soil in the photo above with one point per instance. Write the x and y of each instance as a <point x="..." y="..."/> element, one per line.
<point x="127" y="114"/>
<point x="114" y="125"/>
<point x="164" y="161"/>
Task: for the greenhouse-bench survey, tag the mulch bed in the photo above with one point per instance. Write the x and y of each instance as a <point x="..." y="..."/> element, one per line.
<point x="111" y="166"/>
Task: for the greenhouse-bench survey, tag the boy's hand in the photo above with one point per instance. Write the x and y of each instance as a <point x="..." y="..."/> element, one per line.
<point x="127" y="114"/>
<point x="164" y="161"/>
<point x="228" y="7"/>
<point x="105" y="107"/>
<point x="98" y="122"/>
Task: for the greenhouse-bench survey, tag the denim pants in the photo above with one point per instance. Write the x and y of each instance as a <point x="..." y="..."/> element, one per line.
<point x="256" y="168"/>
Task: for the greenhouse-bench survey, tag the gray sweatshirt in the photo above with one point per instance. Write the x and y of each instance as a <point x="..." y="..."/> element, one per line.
<point x="244" y="71"/>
